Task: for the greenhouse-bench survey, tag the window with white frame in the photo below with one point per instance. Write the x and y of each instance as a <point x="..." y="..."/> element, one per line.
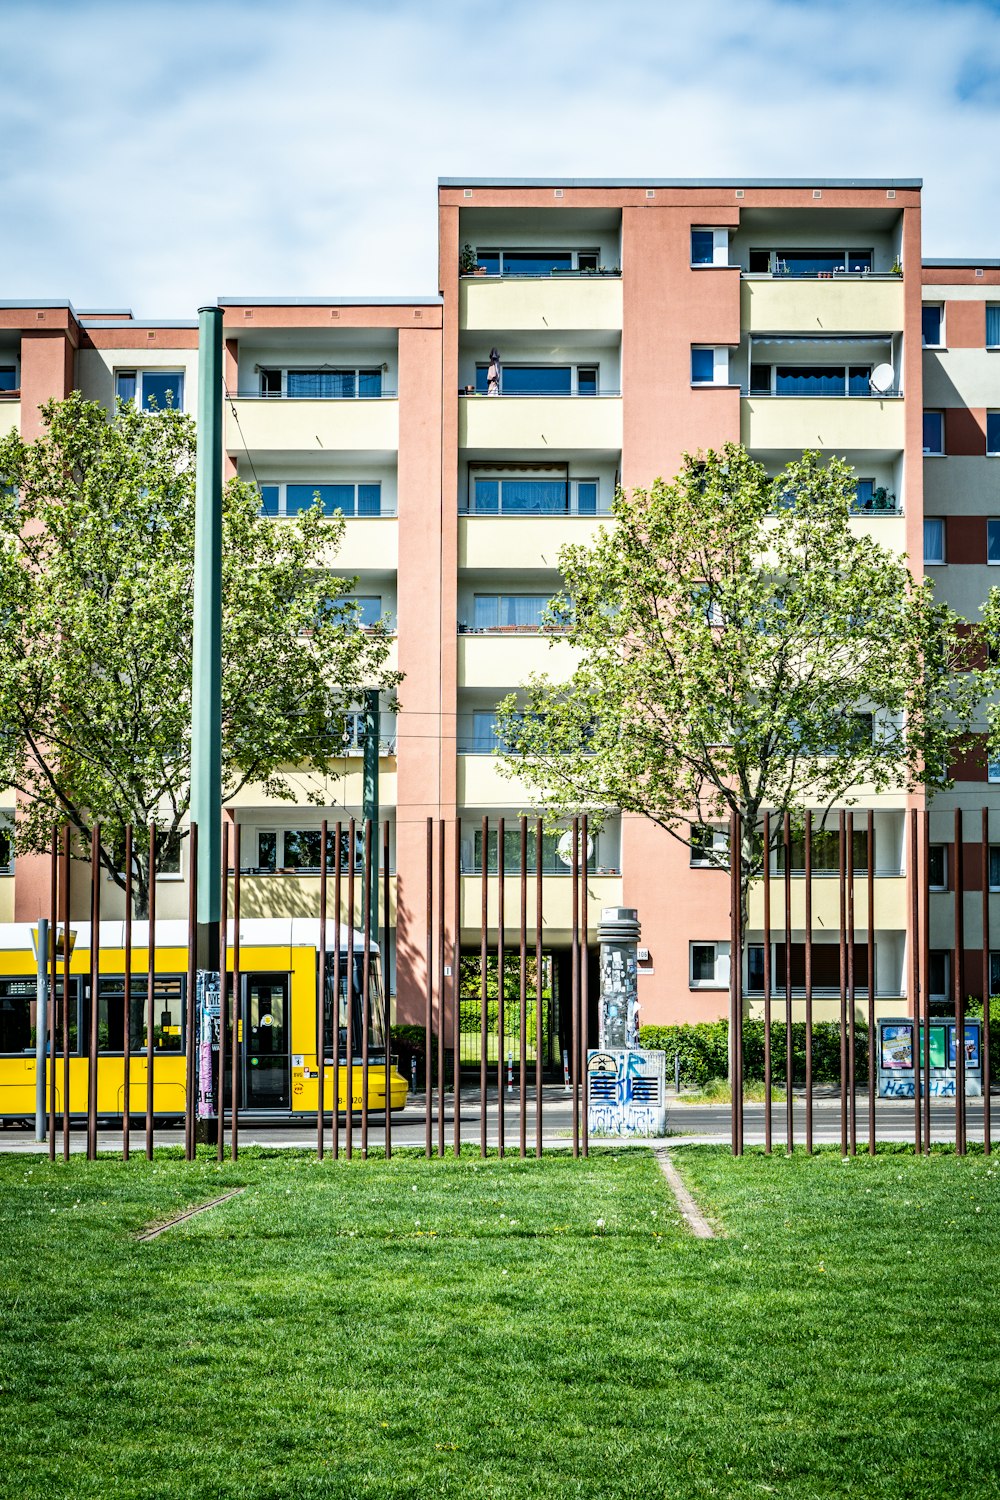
<point x="709" y="847"/>
<point x="709" y="364"/>
<point x="937" y="867"/>
<point x="541" y="380"/>
<point x="528" y="492"/>
<point x="6" y="847"/>
<point x="932" y="325"/>
<point x="709" y="966"/>
<point x="709" y="247"/>
<point x="993" y="325"/>
<point x="934" y="432"/>
<point x="497" y="262"/>
<point x="350" y="498"/>
<point x="934" y="538"/>
<point x="368" y="606"/>
<point x="993" y="770"/>
<point x="151" y="390"/>
<point x="299" y="849"/>
<point x="168" y="852"/>
<point x="513" y="612"/>
<point x="323" y="382"/>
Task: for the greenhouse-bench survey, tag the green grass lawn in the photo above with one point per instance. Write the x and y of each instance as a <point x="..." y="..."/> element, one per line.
<point x="500" y="1329"/>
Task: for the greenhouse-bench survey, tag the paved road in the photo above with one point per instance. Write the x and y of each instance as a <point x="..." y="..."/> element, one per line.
<point x="685" y="1122"/>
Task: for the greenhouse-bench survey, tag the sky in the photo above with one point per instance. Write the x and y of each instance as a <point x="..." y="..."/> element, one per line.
<point x="157" y="156"/>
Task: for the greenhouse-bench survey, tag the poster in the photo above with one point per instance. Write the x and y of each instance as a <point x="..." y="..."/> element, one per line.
<point x="897" y="1045"/>
<point x="971" y="1046"/>
<point x="208" y="1041"/>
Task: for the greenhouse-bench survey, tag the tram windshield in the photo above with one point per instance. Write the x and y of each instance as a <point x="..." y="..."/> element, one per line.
<point x="376" y="1005"/>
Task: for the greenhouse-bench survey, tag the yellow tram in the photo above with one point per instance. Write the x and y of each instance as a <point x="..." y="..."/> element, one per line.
<point x="279" y="967"/>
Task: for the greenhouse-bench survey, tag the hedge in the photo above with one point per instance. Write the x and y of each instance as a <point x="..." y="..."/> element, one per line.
<point x="704" y="1050"/>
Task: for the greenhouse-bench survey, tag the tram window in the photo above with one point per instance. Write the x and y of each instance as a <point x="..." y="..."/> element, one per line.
<point x="376" y="1005"/>
<point x="17" y="1015"/>
<point x="169" y="994"/>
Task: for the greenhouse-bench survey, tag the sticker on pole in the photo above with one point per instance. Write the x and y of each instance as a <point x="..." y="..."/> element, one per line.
<point x="209" y="1009"/>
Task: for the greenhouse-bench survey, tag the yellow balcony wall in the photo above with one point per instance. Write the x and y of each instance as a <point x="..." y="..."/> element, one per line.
<point x="890" y="905"/>
<point x="557" y="904"/>
<point x="298" y="896"/>
<point x="503" y="661"/>
<point x="840" y="423"/>
<point x="371" y="542"/>
<point x="6" y="898"/>
<point x="822" y="307"/>
<point x="517" y="543"/>
<point x="315" y="427"/>
<point x="10" y="417"/>
<point x="480" y="784"/>
<point x="546" y="303"/>
<point x="344" y="789"/>
<point x="491" y="424"/>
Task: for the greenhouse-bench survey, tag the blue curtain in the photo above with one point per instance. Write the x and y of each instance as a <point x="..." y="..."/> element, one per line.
<point x="993" y="324"/>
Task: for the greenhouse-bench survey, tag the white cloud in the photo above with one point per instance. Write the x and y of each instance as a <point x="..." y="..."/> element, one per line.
<point x="159" y="156"/>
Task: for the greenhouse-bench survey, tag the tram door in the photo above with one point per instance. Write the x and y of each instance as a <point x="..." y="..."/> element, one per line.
<point x="265" y="1042"/>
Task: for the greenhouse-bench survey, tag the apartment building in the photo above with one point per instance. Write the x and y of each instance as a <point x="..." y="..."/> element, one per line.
<point x="584" y="335"/>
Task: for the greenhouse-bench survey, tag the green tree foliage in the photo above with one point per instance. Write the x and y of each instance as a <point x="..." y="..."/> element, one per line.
<point x="741" y="649"/>
<point x="96" y="617"/>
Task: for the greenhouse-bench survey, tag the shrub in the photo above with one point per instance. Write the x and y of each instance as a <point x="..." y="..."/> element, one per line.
<point x="704" y="1050"/>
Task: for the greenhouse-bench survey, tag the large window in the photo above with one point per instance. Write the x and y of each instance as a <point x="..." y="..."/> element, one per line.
<point x="821" y="263"/>
<point x="825" y="966"/>
<point x="824" y="851"/>
<point x="300" y="849"/>
<point x="541" y="380"/>
<point x="933" y="431"/>
<point x="532" y="495"/>
<point x="932" y="324"/>
<point x="350" y="499"/>
<point x="169" y="991"/>
<point x="152" y="390"/>
<point x="327" y="384"/>
<point x="536" y="262"/>
<point x="552" y="861"/>
<point x="509" y="611"/>
<point x="934" y="555"/>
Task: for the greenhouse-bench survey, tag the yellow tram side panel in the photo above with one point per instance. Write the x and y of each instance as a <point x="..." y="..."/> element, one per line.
<point x="305" y="1064"/>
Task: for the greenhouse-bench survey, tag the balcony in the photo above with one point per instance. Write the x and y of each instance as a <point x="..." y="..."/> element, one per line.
<point x="890" y="904"/>
<point x="517" y="544"/>
<point x="501" y="660"/>
<point x="10" y="412"/>
<point x="284" y="894"/>
<point x="545" y="303"/>
<point x="841" y="304"/>
<point x="557" y="898"/>
<point x="265" y="425"/>
<point x="496" y="424"/>
<point x="838" y="422"/>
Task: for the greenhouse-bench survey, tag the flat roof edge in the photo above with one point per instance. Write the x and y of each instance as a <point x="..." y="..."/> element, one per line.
<point x="139" y="322"/>
<point x="683" y="182"/>
<point x="436" y="300"/>
<point x="957" y="261"/>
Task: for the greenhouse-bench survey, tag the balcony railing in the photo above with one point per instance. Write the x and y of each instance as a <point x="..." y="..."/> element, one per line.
<point x="470" y="390"/>
<point x="387" y="393"/>
<point x="803" y="395"/>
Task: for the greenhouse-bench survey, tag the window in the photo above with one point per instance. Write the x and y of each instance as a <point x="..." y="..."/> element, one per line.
<point x="824" y="854"/>
<point x="525" y="494"/>
<point x="709" y="966"/>
<point x="939" y="974"/>
<point x="825" y="967"/>
<point x="168" y="852"/>
<point x="510" y="612"/>
<point x="993" y="770"/>
<point x="709" y="847"/>
<point x="350" y="499"/>
<point x="6" y="850"/>
<point x="821" y="263"/>
<point x="300" y="849"/>
<point x="8" y="379"/>
<point x="994" y="974"/>
<point x="326" y="384"/>
<point x="933" y="431"/>
<point x="152" y="390"/>
<point x="709" y="365"/>
<point x="541" y="380"/>
<point x="537" y="262"/>
<point x="369" y="607"/>
<point x="993" y="540"/>
<point x="552" y="861"/>
<point x="169" y="991"/>
<point x="993" y="325"/>
<point x="709" y="247"/>
<point x="932" y="322"/>
<point x="994" y="867"/>
<point x="933" y="541"/>
<point x="937" y="867"/>
<point x="993" y="432"/>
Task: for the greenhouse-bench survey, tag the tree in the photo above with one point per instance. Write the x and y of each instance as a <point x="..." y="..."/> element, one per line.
<point x="96" y="618"/>
<point x="741" y="649"/>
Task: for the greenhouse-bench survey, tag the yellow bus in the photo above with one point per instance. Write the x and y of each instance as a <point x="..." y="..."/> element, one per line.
<point x="279" y="1074"/>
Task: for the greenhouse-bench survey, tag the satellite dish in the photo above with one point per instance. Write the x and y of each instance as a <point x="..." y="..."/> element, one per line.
<point x="564" y="848"/>
<point x="881" y="379"/>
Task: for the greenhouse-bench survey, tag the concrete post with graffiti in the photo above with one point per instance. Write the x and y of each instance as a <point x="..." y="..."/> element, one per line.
<point x="626" y="1083"/>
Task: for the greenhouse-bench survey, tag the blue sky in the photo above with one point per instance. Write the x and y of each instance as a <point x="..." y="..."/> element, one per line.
<point x="159" y="155"/>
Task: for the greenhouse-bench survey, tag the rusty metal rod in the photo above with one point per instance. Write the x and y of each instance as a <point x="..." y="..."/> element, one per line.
<point x="540" y="1030"/>
<point x="926" y="962"/>
<point x="871" y="983"/>
<point x="190" y="1012"/>
<point x="335" y="1018"/>
<point x="441" y="955"/>
<point x="52" y="963"/>
<point x="789" y="1053"/>
<point x="959" y="986"/>
<point x="366" y="1002"/>
<point x="768" y="1082"/>
<point x="321" y="999"/>
<point x="67" y="834"/>
<point x="151" y="1000"/>
<point x="349" y="1114"/>
<point x="523" y="991"/>
<point x="852" y="1119"/>
<point x="456" y="993"/>
<point x="429" y="997"/>
<point x="501" y="997"/>
<point x="483" y="1004"/>
<point x="986" y="982"/>
<point x="913" y="863"/>
<point x="574" y="1054"/>
<point x="237" y="999"/>
<point x="809" y="986"/>
<point x="386" y="968"/>
<point x="736" y="976"/>
<point x="584" y="986"/>
<point x="95" y="988"/>
<point x="842" y="861"/>
<point x="220" y="1141"/>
